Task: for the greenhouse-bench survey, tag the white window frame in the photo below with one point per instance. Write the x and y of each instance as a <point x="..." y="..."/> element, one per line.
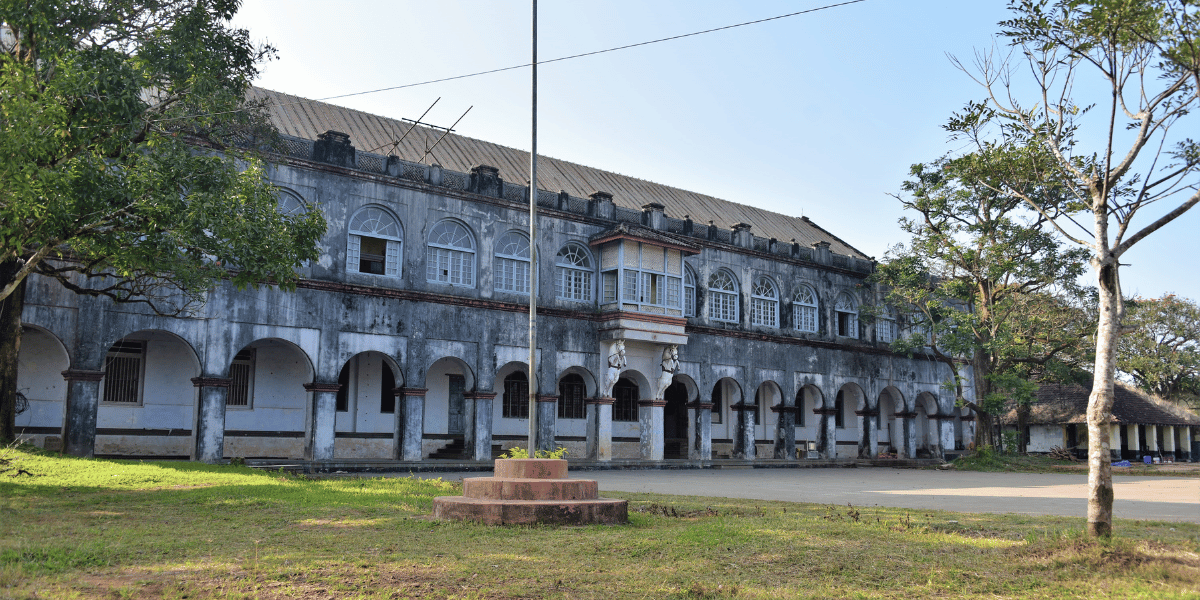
<point x="764" y="303"/>
<point x="689" y="292"/>
<point x="805" y="307"/>
<point x="573" y="274"/>
<point x="511" y="264"/>
<point x="846" y="305"/>
<point x="644" y="286"/>
<point x="377" y="223"/>
<point x="885" y="326"/>
<point x="450" y="254"/>
<point x="723" y="296"/>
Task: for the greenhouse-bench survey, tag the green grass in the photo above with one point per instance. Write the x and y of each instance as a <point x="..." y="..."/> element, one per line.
<point x="994" y="462"/>
<point x="114" y="529"/>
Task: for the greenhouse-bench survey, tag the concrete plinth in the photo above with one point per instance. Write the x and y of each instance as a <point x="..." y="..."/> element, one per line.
<point x="531" y="491"/>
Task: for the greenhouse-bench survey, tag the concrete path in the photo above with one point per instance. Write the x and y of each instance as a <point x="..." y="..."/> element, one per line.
<point x="1153" y="498"/>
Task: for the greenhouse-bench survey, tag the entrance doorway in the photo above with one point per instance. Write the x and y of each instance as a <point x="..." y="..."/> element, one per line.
<point x="675" y="421"/>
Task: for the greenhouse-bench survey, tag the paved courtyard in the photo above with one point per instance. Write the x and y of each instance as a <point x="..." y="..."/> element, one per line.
<point x="1155" y="498"/>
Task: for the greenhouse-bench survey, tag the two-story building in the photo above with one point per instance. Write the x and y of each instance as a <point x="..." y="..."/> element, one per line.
<point x="671" y="324"/>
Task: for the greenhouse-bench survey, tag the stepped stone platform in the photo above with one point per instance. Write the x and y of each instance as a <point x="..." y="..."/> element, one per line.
<point x="531" y="490"/>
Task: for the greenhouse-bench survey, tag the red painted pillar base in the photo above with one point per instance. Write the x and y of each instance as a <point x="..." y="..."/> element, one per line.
<point x="531" y="490"/>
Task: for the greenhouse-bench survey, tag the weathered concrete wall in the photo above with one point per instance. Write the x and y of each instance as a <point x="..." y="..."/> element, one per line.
<point x="424" y="331"/>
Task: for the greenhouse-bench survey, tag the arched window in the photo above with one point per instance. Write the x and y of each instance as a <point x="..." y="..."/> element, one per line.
<point x="885" y="326"/>
<point x="764" y="304"/>
<point x="374" y="242"/>
<point x="510" y="270"/>
<point x="516" y="396"/>
<point x="573" y="274"/>
<point x="689" y="292"/>
<point x="722" y="297"/>
<point x="804" y="309"/>
<point x="625" y="392"/>
<point x="571" y="391"/>
<point x="290" y="204"/>
<point x="450" y="257"/>
<point x="846" y="310"/>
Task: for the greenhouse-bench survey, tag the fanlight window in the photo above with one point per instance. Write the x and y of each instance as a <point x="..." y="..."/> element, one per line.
<point x="846" y="310"/>
<point x="689" y="292"/>
<point x="450" y="255"/>
<point x="573" y="274"/>
<point x="511" y="268"/>
<point x="764" y="304"/>
<point x="374" y="242"/>
<point x="722" y="297"/>
<point x="804" y="309"/>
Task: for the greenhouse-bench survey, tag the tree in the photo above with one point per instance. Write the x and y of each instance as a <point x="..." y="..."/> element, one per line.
<point x="1125" y="163"/>
<point x="983" y="279"/>
<point x="124" y="171"/>
<point x="1162" y="352"/>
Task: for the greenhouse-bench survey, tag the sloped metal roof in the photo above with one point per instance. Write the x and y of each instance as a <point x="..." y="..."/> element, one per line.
<point x="304" y="118"/>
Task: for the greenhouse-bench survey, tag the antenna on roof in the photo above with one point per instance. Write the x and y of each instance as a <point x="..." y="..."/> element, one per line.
<point x="448" y="130"/>
<point x="396" y="144"/>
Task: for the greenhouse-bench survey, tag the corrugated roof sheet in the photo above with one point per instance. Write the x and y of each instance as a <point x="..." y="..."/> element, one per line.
<point x="304" y="118"/>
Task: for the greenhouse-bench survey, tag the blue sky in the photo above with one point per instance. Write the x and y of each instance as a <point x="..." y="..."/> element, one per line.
<point x="818" y="115"/>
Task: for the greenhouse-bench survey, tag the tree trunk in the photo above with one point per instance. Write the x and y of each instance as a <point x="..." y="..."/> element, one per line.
<point x="10" y="347"/>
<point x="1100" y="402"/>
<point x="985" y="424"/>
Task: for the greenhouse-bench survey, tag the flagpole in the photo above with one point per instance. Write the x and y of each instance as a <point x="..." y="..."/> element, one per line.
<point x="533" y="257"/>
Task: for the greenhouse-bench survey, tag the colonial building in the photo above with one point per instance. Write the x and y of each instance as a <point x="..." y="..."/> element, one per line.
<point x="671" y="324"/>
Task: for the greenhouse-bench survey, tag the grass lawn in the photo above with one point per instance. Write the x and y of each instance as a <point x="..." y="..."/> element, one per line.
<point x="76" y="528"/>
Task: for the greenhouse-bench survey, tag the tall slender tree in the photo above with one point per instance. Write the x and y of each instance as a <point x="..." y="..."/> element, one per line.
<point x="124" y="163"/>
<point x="1098" y="98"/>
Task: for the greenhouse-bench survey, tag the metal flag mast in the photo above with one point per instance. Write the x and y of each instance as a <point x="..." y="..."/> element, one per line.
<point x="533" y="257"/>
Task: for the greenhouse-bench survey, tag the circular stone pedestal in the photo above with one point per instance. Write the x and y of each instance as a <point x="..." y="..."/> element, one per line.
<point x="531" y="490"/>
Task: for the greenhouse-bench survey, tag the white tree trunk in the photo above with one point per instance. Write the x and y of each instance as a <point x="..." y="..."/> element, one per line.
<point x="1100" y="402"/>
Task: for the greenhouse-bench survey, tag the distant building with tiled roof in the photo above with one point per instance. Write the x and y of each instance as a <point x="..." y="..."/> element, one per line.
<point x="1141" y="425"/>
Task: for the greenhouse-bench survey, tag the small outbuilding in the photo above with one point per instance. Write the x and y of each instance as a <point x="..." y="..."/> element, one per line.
<point x="1141" y="425"/>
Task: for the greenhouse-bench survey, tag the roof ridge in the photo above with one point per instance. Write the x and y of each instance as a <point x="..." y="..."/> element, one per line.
<point x="797" y="223"/>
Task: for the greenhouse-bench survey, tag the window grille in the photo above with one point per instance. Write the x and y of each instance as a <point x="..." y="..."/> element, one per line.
<point x="573" y="279"/>
<point x="625" y="407"/>
<point x="516" y="396"/>
<point x="764" y="304"/>
<point x="804" y="309"/>
<point x="885" y="326"/>
<point x="571" y="402"/>
<point x="241" y="373"/>
<point x="450" y="256"/>
<point x="722" y="297"/>
<point x="511" y="267"/>
<point x="847" y="316"/>
<point x="123" y="368"/>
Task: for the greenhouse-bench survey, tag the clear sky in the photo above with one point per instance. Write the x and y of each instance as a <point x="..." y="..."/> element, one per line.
<point x="818" y="115"/>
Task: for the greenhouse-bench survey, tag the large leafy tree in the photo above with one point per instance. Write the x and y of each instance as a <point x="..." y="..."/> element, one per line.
<point x="123" y="168"/>
<point x="984" y="286"/>
<point x="1162" y="352"/>
<point x="1097" y="98"/>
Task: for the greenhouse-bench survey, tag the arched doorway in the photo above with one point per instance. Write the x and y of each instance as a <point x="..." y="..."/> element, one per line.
<point x="147" y="399"/>
<point x="675" y="420"/>
<point x="40" y="364"/>
<point x="266" y="410"/>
